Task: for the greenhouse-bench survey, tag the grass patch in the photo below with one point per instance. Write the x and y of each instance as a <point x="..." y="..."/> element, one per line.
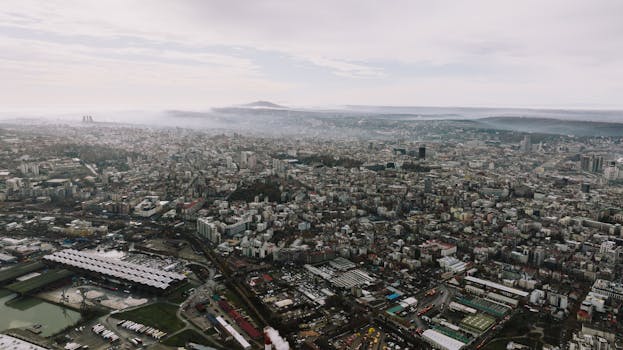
<point x="177" y="295"/>
<point x="499" y="344"/>
<point x="38" y="282"/>
<point x="185" y="336"/>
<point x="20" y="270"/>
<point x="159" y="315"/>
<point x="233" y="298"/>
<point x="518" y="325"/>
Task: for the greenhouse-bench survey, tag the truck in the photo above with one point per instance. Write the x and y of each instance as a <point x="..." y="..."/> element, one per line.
<point x="425" y="310"/>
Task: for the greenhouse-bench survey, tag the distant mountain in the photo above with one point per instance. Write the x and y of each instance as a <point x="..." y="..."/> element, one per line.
<point x="615" y="116"/>
<point x="262" y="104"/>
<point x="375" y="121"/>
<point x="552" y="126"/>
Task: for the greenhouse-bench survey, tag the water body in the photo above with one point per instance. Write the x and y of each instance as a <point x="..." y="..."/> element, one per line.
<point x="27" y="311"/>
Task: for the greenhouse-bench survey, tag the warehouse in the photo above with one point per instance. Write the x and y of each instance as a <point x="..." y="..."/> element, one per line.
<point x="7" y="259"/>
<point x="116" y="270"/>
<point x="239" y="338"/>
<point x="10" y="342"/>
<point x="502" y="299"/>
<point x="499" y="287"/>
<point x="441" y="341"/>
<point x="462" y="308"/>
<point x="351" y="279"/>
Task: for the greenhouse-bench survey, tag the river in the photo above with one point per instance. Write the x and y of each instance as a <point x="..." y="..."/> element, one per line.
<point x="28" y="311"/>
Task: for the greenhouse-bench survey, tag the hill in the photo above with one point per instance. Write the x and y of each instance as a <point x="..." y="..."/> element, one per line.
<point x="552" y="126"/>
<point x="262" y="104"/>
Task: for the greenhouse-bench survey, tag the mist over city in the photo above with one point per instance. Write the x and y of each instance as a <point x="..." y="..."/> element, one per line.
<point x="319" y="175"/>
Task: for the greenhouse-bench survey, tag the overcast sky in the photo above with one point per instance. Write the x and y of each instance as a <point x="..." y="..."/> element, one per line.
<point x="194" y="54"/>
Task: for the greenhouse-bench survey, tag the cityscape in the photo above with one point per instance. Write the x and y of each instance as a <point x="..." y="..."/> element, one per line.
<point x="433" y="234"/>
<point x="295" y="221"/>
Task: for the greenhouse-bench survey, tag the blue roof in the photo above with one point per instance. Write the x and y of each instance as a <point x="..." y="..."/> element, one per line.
<point x="393" y="296"/>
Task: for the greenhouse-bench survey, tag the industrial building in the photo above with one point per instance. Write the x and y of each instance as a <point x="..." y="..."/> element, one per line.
<point x="499" y="287"/>
<point x="13" y="343"/>
<point x="115" y="270"/>
<point x="441" y="341"/>
<point x="239" y="338"/>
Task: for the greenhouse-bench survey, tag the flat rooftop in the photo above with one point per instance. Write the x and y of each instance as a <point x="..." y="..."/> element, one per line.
<point x="497" y="286"/>
<point x="12" y="343"/>
<point x="479" y="322"/>
<point x="441" y="340"/>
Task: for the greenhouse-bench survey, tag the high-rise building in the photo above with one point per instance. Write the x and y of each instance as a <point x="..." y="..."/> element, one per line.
<point x="253" y="161"/>
<point x="207" y="229"/>
<point x="422" y="152"/>
<point x="611" y="171"/>
<point x="538" y="256"/>
<point x="598" y="163"/>
<point x="585" y="163"/>
<point x="279" y="167"/>
<point x="244" y="156"/>
<point x="428" y="185"/>
<point x="248" y="160"/>
<point x="526" y="144"/>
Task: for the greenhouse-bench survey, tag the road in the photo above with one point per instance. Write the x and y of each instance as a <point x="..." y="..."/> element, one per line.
<point x="238" y="287"/>
<point x="441" y="300"/>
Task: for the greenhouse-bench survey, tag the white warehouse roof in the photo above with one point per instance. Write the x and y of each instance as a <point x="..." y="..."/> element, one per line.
<point x="497" y="286"/>
<point x="9" y="342"/>
<point x="442" y="340"/>
<point x="115" y="268"/>
<point x="240" y="339"/>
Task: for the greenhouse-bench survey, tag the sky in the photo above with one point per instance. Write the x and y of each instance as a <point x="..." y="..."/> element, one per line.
<point x="194" y="54"/>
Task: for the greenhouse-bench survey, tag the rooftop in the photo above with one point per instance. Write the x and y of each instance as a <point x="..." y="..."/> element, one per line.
<point x="115" y="268"/>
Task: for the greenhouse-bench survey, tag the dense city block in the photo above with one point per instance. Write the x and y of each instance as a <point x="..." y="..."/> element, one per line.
<point x="395" y="235"/>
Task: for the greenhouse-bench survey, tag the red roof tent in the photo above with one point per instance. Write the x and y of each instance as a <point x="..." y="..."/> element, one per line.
<point x="225" y="305"/>
<point x="191" y="204"/>
<point x="267" y="277"/>
<point x="247" y="327"/>
<point x="244" y="324"/>
<point x="235" y="315"/>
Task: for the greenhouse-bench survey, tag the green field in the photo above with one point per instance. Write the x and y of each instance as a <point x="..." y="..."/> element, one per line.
<point x="498" y="344"/>
<point x="177" y="295"/>
<point x="518" y="329"/>
<point x="38" y="282"/>
<point x="185" y="336"/>
<point x="159" y="315"/>
<point x="478" y="322"/>
<point x="19" y="270"/>
<point x="518" y="325"/>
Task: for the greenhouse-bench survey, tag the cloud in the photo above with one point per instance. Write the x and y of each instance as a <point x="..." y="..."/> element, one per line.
<point x="347" y="69"/>
<point x="483" y="52"/>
